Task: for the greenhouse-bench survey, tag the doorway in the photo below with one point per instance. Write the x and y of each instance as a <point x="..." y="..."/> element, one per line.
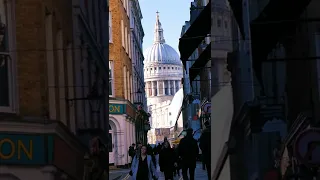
<point x="111" y="146"/>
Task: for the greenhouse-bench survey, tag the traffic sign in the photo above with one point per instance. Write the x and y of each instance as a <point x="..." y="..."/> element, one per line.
<point x="307" y="147"/>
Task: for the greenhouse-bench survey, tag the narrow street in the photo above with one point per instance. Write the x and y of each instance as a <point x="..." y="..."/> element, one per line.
<point x="118" y="174"/>
<point x="199" y="174"/>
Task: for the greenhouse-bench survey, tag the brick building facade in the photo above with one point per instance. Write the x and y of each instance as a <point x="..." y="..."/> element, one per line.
<point x="123" y="113"/>
<point x="40" y="107"/>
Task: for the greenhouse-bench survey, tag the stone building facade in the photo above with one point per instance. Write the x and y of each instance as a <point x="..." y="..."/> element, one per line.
<point x="162" y="74"/>
<point x="136" y="40"/>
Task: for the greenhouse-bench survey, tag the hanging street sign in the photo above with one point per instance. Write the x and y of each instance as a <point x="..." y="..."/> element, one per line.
<point x="307" y="147"/>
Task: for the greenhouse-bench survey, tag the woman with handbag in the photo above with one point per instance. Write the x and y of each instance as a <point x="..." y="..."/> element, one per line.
<point x="142" y="167"/>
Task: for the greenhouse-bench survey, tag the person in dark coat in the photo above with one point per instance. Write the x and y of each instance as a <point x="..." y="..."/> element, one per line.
<point x="132" y="151"/>
<point x="151" y="153"/>
<point x="188" y="151"/>
<point x="167" y="161"/>
<point x="178" y="161"/>
<point x="205" y="146"/>
<point x="138" y="148"/>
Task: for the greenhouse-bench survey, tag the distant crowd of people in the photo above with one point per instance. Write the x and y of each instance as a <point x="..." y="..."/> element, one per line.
<point x="170" y="159"/>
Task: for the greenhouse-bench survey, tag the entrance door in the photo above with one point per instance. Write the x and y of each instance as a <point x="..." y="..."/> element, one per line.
<point x="111" y="146"/>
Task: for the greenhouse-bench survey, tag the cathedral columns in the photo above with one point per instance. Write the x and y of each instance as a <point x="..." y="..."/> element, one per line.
<point x="169" y="87"/>
<point x="163" y="87"/>
<point x="177" y="85"/>
<point x="174" y="87"/>
<point x="153" y="84"/>
<point x="158" y="89"/>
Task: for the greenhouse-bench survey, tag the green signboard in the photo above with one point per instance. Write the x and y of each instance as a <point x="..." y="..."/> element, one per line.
<point x="25" y="149"/>
<point x="117" y="109"/>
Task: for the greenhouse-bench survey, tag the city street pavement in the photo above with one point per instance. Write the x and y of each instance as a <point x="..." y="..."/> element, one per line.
<point x="199" y="174"/>
<point x="118" y="174"/>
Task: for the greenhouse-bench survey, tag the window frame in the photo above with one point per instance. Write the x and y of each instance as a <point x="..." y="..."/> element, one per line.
<point x="219" y="22"/>
<point x="122" y="33"/>
<point x="126" y="38"/>
<point x="110" y="27"/>
<point x="111" y="67"/>
<point x="10" y="18"/>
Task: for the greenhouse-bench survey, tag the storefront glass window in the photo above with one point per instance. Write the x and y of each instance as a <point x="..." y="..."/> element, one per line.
<point x="4" y="66"/>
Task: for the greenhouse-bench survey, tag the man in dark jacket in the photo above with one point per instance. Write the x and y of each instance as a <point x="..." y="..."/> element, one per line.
<point x="188" y="151"/>
<point x="205" y="146"/>
<point x="132" y="151"/>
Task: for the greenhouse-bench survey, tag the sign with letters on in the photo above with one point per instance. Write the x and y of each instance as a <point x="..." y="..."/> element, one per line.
<point x="117" y="109"/>
<point x="25" y="149"/>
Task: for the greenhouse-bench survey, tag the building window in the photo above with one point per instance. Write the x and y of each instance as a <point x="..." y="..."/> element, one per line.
<point x="122" y="33"/>
<point x="110" y="27"/>
<point x="111" y="79"/>
<point x="219" y="23"/>
<point x="226" y="24"/>
<point x="126" y="38"/>
<point x="5" y="60"/>
<point x="124" y="4"/>
<point x="129" y="45"/>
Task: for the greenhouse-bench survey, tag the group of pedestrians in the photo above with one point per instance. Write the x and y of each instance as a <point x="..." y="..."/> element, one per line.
<point x="171" y="159"/>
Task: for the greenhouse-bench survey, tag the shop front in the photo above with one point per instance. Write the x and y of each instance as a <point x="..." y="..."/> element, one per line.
<point x="40" y="152"/>
<point x="122" y="131"/>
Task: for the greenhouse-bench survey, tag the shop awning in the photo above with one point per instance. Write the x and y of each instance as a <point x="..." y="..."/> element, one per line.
<point x="175" y="107"/>
<point x="275" y="21"/>
<point x="196" y="33"/>
<point x="200" y="63"/>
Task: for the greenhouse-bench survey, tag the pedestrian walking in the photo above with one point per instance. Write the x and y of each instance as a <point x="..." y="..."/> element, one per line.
<point x="205" y="146"/>
<point x="138" y="148"/>
<point x="150" y="152"/>
<point x="142" y="167"/>
<point x="188" y="151"/>
<point x="131" y="151"/>
<point x="178" y="161"/>
<point x="167" y="161"/>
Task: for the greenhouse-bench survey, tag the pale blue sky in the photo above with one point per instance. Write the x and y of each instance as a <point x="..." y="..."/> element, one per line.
<point x="173" y="14"/>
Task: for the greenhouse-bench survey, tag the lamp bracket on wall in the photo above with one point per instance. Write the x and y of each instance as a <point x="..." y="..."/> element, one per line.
<point x="94" y="97"/>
